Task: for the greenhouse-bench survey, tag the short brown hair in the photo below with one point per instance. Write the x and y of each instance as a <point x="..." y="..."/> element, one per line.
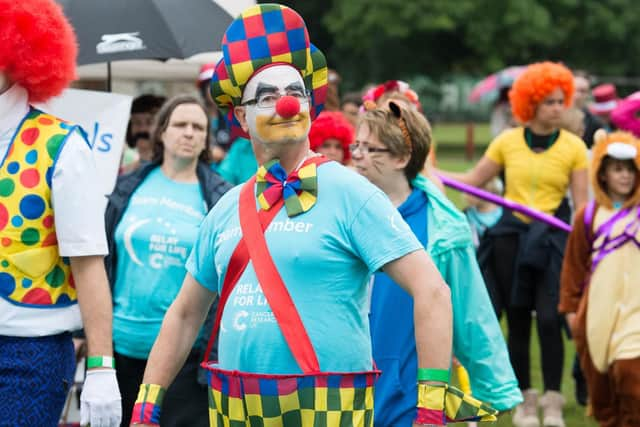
<point x="161" y="121"/>
<point x="385" y="125"/>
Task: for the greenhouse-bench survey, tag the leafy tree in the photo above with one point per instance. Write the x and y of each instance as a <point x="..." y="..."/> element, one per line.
<point x="375" y="40"/>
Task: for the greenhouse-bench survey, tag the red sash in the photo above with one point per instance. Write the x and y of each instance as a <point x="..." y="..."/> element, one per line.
<point x="253" y="246"/>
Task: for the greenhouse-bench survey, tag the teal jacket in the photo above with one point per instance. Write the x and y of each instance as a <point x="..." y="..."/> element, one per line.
<point x="478" y="342"/>
<point x="240" y="163"/>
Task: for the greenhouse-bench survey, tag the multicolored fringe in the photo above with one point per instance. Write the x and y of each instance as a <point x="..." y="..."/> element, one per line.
<point x="306" y="401"/>
<point x="463" y="379"/>
<point x="431" y="404"/>
<point x="457" y="406"/>
<point x="299" y="189"/>
<point x="147" y="407"/>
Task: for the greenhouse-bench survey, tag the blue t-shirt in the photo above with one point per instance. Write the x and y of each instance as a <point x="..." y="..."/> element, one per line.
<point x="393" y="333"/>
<point x="325" y="257"/>
<point x="153" y="240"/>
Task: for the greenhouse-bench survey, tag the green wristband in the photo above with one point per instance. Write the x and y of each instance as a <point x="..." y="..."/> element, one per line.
<point x="100" y="362"/>
<point x="428" y="374"/>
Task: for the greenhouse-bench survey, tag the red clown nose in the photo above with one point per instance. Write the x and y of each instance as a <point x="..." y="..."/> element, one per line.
<point x="287" y="106"/>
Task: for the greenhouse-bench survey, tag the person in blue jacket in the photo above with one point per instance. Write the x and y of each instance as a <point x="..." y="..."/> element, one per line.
<point x="390" y="150"/>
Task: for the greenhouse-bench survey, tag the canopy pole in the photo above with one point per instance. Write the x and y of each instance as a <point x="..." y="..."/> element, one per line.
<point x="108" y="76"/>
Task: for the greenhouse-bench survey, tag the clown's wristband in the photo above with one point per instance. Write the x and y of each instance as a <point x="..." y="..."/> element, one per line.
<point x="147" y="407"/>
<point x="100" y="362"/>
<point x="428" y="374"/>
<point x="431" y="404"/>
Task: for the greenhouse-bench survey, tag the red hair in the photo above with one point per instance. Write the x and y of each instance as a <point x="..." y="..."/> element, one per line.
<point x="332" y="124"/>
<point x="535" y="84"/>
<point x="37" y="47"/>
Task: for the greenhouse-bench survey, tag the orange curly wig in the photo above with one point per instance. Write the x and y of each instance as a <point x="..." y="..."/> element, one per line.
<point x="535" y="84"/>
<point x="332" y="124"/>
<point x="37" y="47"/>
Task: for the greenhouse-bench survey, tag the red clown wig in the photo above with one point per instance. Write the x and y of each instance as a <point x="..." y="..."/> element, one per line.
<point x="332" y="124"/>
<point x="535" y="84"/>
<point x="37" y="47"/>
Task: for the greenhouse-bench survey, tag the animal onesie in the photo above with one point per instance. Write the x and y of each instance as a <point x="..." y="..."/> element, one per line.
<point x="599" y="283"/>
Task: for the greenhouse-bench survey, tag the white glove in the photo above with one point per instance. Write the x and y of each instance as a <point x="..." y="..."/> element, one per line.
<point x="100" y="402"/>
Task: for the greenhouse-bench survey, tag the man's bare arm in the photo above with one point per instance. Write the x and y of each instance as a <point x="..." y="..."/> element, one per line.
<point x="94" y="299"/>
<point x="179" y="330"/>
<point x="433" y="317"/>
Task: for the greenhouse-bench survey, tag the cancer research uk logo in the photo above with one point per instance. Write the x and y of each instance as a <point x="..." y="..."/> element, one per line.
<point x="123" y="42"/>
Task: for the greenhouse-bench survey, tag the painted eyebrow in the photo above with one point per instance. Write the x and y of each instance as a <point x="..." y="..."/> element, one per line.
<point x="265" y="88"/>
<point x="295" y="86"/>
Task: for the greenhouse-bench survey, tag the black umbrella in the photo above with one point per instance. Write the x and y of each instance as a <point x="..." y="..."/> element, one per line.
<point x="113" y="30"/>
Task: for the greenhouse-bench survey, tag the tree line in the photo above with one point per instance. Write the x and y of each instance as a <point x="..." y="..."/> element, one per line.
<point x="376" y="40"/>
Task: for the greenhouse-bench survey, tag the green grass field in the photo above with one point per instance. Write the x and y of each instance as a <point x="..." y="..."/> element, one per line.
<point x="574" y="414"/>
<point x="455" y="134"/>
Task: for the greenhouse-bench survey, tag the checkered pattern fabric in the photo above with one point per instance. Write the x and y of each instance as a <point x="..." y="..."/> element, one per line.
<point x="262" y="35"/>
<point x="457" y="406"/>
<point x="460" y="406"/>
<point x="147" y="407"/>
<point x="249" y="400"/>
<point x="299" y="189"/>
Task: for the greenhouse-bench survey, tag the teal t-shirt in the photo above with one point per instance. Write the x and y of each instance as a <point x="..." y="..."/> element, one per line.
<point x="240" y="163"/>
<point x="153" y="240"/>
<point x="325" y="257"/>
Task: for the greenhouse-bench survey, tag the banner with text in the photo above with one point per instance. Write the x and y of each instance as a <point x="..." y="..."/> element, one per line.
<point x="104" y="116"/>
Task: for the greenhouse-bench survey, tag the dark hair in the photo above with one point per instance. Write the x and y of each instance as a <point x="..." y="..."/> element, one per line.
<point x="140" y="135"/>
<point x="146" y="103"/>
<point x="351" y="98"/>
<point x="161" y="121"/>
<point x="385" y="125"/>
<point x="608" y="160"/>
<point x="584" y="74"/>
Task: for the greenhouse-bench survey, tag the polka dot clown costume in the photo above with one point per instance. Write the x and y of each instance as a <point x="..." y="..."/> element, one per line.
<point x="51" y="227"/>
<point x="32" y="273"/>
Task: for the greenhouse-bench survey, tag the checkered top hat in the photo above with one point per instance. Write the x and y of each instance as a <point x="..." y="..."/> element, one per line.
<point x="263" y="35"/>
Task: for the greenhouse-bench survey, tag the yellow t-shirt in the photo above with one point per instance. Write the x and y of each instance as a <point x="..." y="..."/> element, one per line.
<point x="538" y="180"/>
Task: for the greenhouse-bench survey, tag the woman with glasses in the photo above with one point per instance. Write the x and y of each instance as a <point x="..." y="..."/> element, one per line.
<point x="390" y="150"/>
<point x="522" y="259"/>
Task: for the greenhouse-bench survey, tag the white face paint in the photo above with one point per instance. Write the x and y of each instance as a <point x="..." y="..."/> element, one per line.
<point x="265" y="125"/>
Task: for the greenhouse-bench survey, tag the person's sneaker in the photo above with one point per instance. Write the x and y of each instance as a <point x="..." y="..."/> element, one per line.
<point x="526" y="413"/>
<point x="552" y="403"/>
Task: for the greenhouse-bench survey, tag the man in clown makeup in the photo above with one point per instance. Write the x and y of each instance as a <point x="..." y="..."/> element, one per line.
<point x="290" y="254"/>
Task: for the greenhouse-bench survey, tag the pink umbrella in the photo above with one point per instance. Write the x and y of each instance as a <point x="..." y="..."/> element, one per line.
<point x="626" y="115"/>
<point x="488" y="88"/>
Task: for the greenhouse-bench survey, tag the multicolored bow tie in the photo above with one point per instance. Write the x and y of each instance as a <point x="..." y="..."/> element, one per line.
<point x="299" y="189"/>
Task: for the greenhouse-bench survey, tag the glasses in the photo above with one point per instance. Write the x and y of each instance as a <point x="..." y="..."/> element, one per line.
<point x="268" y="100"/>
<point x="365" y="149"/>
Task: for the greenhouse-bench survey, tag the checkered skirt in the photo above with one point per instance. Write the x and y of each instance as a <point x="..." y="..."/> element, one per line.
<point x="239" y="399"/>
